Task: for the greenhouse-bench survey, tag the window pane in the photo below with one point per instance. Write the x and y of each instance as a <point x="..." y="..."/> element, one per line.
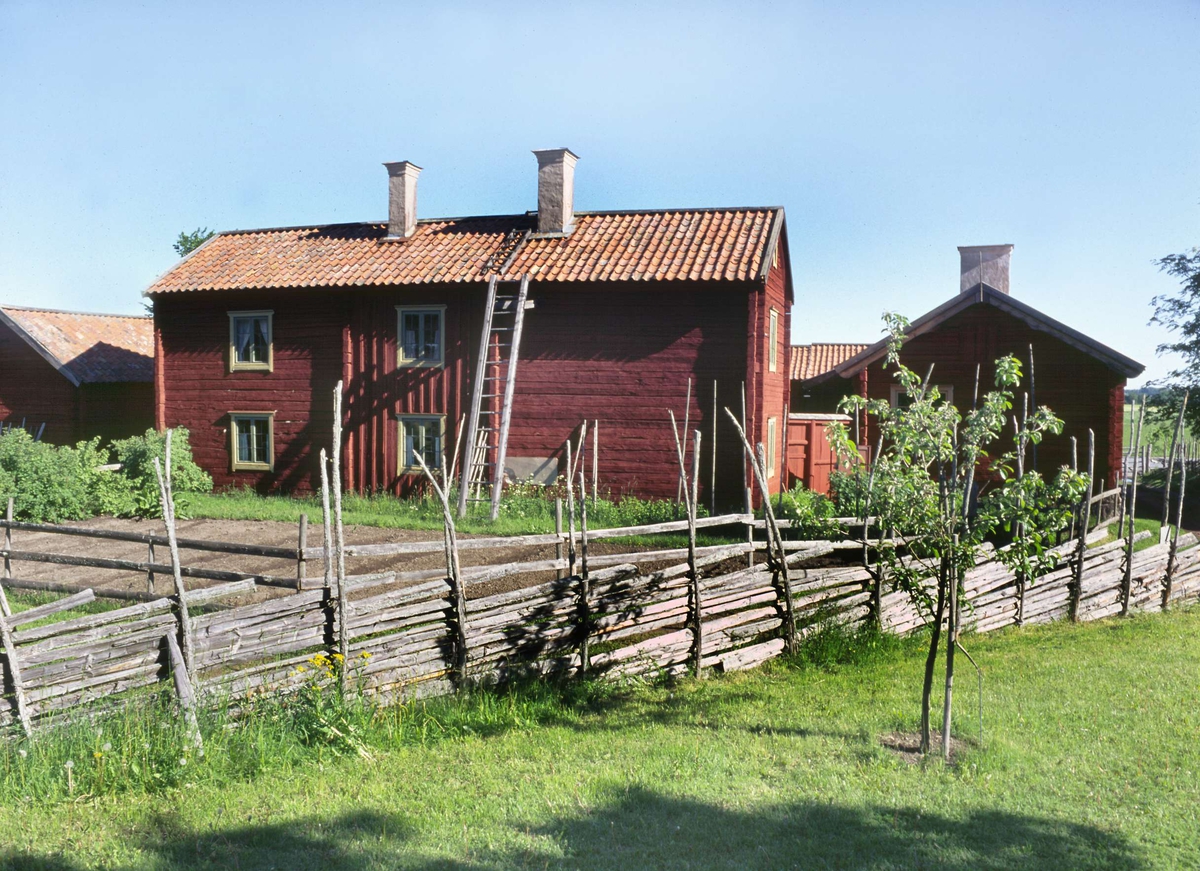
<point x="261" y="347"/>
<point x="261" y="451"/>
<point x="433" y="337"/>
<point x="242" y="338"/>
<point x="244" y="442"/>
<point x="411" y="335"/>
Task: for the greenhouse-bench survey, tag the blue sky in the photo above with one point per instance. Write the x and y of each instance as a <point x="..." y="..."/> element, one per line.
<point x="891" y="132"/>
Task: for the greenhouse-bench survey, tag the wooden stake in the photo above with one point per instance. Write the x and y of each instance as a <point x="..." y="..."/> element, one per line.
<point x="184" y="691"/>
<point x="10" y="651"/>
<point x="453" y="571"/>
<point x="168" y="509"/>
<point x="690" y="494"/>
<point x="687" y="410"/>
<point x="1136" y="452"/>
<point x="712" y="477"/>
<point x="1169" y="462"/>
<point x="339" y="540"/>
<point x="595" y="461"/>
<point x="150" y="572"/>
<point x="747" y="458"/>
<point x="1085" y="513"/>
<point x="585" y="584"/>
<point x="301" y="544"/>
<point x="558" y="528"/>
<point x="1169" y="580"/>
<point x="328" y="559"/>
<point x="779" y="565"/>
<point x="8" y="539"/>
<point x="570" y="515"/>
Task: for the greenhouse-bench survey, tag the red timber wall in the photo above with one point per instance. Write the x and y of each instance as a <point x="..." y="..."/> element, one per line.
<point x="195" y="388"/>
<point x="768" y="392"/>
<point x="115" y="410"/>
<point x="810" y="458"/>
<point x="1078" y="388"/>
<point x="617" y="353"/>
<point x="33" y="390"/>
<point x="622" y="355"/>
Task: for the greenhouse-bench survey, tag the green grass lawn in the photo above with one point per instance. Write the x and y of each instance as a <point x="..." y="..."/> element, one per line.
<point x="520" y="513"/>
<point x="1157" y="433"/>
<point x="1090" y="759"/>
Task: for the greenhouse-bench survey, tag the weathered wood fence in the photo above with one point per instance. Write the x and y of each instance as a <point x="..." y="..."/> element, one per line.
<point x="635" y="613"/>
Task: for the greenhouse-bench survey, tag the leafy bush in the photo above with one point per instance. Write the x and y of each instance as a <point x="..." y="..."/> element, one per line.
<point x="47" y="484"/>
<point x="811" y="514"/>
<point x="136" y="456"/>
<point x="50" y="484"/>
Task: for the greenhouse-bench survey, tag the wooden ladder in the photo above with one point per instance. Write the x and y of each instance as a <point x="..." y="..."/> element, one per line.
<point x="488" y="426"/>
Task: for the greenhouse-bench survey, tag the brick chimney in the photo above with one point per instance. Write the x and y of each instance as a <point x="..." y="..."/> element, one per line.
<point x="556" y="190"/>
<point x="402" y="198"/>
<point x="984" y="263"/>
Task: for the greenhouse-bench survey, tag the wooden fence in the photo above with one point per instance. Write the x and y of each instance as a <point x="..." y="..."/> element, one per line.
<point x="625" y="614"/>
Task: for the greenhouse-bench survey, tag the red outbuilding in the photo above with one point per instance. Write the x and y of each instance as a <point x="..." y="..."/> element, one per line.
<point x="67" y="376"/>
<point x="1077" y="377"/>
<point x="623" y="311"/>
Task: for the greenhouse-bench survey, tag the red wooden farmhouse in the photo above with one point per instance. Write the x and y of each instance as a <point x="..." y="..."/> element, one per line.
<point x="1080" y="379"/>
<point x="621" y="310"/>
<point x="67" y="376"/>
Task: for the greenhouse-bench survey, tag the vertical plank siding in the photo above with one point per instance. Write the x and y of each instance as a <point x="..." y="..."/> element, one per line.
<point x="1085" y="393"/>
<point x="619" y="353"/>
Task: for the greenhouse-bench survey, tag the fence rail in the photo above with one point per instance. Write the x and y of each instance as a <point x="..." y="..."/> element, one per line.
<point x="636" y="614"/>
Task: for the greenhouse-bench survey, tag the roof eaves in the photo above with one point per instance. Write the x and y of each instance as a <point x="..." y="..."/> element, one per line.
<point x="39" y="348"/>
<point x="984" y="294"/>
<point x="764" y="268"/>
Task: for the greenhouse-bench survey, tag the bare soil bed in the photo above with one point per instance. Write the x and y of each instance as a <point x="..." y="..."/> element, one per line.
<point x="262" y="532"/>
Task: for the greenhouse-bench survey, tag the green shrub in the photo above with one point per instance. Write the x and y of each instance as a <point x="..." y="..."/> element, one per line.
<point x="811" y="514"/>
<point x="136" y="456"/>
<point x="47" y="484"/>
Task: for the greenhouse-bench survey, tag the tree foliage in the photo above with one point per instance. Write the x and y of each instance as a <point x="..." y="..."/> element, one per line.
<point x="189" y="242"/>
<point x="922" y="485"/>
<point x="1179" y="313"/>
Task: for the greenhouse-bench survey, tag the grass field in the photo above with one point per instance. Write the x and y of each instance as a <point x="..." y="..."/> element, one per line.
<point x="1090" y="759"/>
<point x="1157" y="434"/>
<point x="521" y="513"/>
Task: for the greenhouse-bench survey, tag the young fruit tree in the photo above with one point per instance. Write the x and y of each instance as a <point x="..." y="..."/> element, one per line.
<point x="936" y="481"/>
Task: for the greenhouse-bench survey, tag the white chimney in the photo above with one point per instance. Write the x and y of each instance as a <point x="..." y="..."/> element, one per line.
<point x="556" y="190"/>
<point x="986" y="264"/>
<point x="402" y="198"/>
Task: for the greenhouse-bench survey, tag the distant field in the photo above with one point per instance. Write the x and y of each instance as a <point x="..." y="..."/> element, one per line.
<point x="1156" y="434"/>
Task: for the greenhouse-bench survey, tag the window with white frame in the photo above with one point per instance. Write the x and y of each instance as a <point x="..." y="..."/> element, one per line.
<point x="772" y="445"/>
<point x="421" y="435"/>
<point x="900" y="399"/>
<point x="773" y="337"/>
<point x="251" y="343"/>
<point x="252" y="437"/>
<point x="420" y="335"/>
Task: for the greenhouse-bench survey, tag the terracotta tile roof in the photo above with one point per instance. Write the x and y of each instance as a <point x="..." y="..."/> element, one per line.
<point x="87" y="348"/>
<point x="809" y="361"/>
<point x="702" y="244"/>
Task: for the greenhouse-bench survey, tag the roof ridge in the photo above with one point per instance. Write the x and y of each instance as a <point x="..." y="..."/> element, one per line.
<point x="64" y="311"/>
<point x="243" y="231"/>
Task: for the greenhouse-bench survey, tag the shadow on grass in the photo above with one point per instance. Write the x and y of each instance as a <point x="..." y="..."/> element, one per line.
<point x="644" y="829"/>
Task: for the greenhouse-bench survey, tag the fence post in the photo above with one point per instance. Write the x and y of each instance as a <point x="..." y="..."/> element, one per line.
<point x="1135" y="452"/>
<point x="1085" y="517"/>
<point x="168" y="510"/>
<point x="1169" y="580"/>
<point x="585" y="583"/>
<point x="6" y="636"/>
<point x="301" y="560"/>
<point x="327" y="554"/>
<point x="558" y="528"/>
<point x="339" y="542"/>
<point x="8" y="515"/>
<point x="150" y="571"/>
